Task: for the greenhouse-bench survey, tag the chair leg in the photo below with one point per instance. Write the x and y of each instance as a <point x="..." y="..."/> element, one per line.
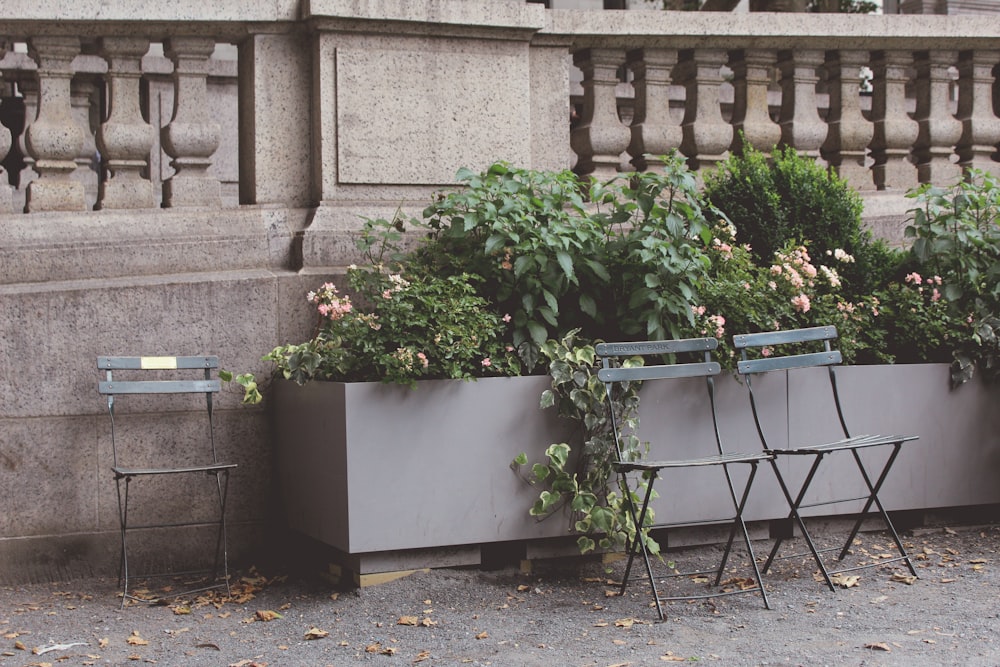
<point x="639" y="544"/>
<point x="873" y="498"/>
<point x="221" y="541"/>
<point x="740" y="524"/>
<point x="794" y="504"/>
<point x="123" y="523"/>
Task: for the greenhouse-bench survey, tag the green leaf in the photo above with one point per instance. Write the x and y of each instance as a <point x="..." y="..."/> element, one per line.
<point x="520" y="460"/>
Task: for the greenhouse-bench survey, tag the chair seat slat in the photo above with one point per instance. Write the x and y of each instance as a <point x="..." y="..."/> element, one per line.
<point x="136" y="472"/>
<point x="656" y="347"/>
<point x="146" y="362"/>
<point x="857" y="442"/>
<point x="783" y="337"/>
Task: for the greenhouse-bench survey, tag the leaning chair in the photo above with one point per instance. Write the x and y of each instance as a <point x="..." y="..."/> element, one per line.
<point x="707" y="454"/>
<point x="786" y="350"/>
<point x="156" y="378"/>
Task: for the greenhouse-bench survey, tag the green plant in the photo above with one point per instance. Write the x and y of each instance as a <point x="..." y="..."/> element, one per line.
<point x="956" y="236"/>
<point x="788" y="197"/>
<point x="582" y="481"/>
<point x="620" y="259"/>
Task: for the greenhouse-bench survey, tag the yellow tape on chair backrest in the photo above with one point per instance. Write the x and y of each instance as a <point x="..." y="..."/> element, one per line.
<point x="157" y="363"/>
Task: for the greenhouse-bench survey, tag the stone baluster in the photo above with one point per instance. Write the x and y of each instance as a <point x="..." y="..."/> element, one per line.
<point x="28" y="87"/>
<point x="751" y="114"/>
<point x="125" y="139"/>
<point x="6" y="141"/>
<point x="940" y="131"/>
<point x="192" y="136"/>
<point x="706" y="135"/>
<point x="980" y="125"/>
<point x="848" y="131"/>
<point x="895" y="132"/>
<point x="801" y="126"/>
<point x="86" y="111"/>
<point x="654" y="132"/>
<point x="54" y="139"/>
<point x="600" y="138"/>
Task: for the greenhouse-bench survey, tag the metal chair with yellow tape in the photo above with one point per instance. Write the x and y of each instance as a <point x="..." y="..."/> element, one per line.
<point x="190" y="452"/>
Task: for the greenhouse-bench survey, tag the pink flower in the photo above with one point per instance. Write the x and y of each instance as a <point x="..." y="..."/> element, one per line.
<point x="487" y="363"/>
<point x="913" y="278"/>
<point x="801" y="303"/>
<point x="506" y="317"/>
<point x="423" y="359"/>
<point x="698" y="310"/>
<point x="387" y="294"/>
<point x="765" y="352"/>
<point x="935" y="295"/>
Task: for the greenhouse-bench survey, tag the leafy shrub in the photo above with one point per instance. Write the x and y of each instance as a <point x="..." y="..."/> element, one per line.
<point x="616" y="260"/>
<point x="956" y="236"/>
<point x="791" y="198"/>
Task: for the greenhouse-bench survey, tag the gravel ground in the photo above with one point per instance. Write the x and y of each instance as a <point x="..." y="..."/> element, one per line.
<point x="563" y="613"/>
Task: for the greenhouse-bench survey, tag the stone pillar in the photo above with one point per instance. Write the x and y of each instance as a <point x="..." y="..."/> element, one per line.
<point x="801" y="126"/>
<point x="654" y="132"/>
<point x="980" y="125"/>
<point x="54" y="139"/>
<point x="940" y="131"/>
<point x="707" y="137"/>
<point x="125" y="139"/>
<point x="6" y="141"/>
<point x="86" y="109"/>
<point x="601" y="138"/>
<point x="848" y="131"/>
<point x="751" y="116"/>
<point x="192" y="136"/>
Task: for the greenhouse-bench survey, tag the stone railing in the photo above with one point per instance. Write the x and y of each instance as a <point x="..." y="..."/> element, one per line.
<point x="710" y="82"/>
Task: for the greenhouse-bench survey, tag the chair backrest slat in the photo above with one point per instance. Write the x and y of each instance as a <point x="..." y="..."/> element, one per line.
<point x="656" y="347"/>
<point x="159" y="387"/>
<point x="782" y="337"/>
<point x="785" y="363"/>
<point x="663" y="372"/>
<point x="156" y="363"/>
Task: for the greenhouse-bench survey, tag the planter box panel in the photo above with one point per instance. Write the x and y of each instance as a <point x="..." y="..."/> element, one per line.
<point x="420" y="468"/>
<point x="956" y="461"/>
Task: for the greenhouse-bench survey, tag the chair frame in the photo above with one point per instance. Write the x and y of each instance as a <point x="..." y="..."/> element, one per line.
<point x="124" y="475"/>
<point x="611" y="374"/>
<point x="829" y="358"/>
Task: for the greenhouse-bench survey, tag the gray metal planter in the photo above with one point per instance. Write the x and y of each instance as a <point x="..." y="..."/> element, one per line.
<point x="374" y="469"/>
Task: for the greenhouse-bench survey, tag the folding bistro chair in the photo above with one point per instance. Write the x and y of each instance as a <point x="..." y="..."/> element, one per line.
<point x="614" y="374"/>
<point x="767" y="358"/>
<point x="158" y="377"/>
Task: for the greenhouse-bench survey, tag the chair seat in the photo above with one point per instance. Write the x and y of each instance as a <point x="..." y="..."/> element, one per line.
<point x="855" y="442"/>
<point x="136" y="472"/>
<point x="692" y="463"/>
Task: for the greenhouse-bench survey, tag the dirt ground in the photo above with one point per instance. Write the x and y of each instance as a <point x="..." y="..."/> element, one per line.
<point x="563" y="613"/>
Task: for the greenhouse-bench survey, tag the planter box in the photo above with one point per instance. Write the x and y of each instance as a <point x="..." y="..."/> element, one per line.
<point x="370" y="468"/>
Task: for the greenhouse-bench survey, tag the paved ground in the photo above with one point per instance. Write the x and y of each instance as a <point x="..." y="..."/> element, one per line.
<point x="562" y="614"/>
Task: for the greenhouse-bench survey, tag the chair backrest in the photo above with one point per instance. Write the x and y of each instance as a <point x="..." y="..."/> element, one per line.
<point x="787" y="350"/>
<point x="157" y="376"/>
<point x="614" y="372"/>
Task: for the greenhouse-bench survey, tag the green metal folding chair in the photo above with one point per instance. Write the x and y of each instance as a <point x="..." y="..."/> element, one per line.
<point x="711" y="454"/>
<point x="787" y="350"/>
<point x="158" y="377"/>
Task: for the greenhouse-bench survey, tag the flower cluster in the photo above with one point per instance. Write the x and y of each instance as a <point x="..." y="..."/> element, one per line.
<point x="408" y="328"/>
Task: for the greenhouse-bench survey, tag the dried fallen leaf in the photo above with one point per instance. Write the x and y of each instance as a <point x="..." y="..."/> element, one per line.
<point x="315" y="633"/>
<point x="267" y="615"/>
<point x="407" y="620"/>
<point x="103" y="643"/>
<point x="181" y="610"/>
<point x="389" y="650"/>
<point x="423" y="655"/>
<point x="427" y="622"/>
<point x="135" y="640"/>
<point x="879" y="646"/>
<point x="903" y="578"/>
<point x="373" y="648"/>
<point x="845" y="580"/>
<point x="483" y="635"/>
<point x="624" y="622"/>
<point x="19" y="645"/>
<point x="672" y="658"/>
